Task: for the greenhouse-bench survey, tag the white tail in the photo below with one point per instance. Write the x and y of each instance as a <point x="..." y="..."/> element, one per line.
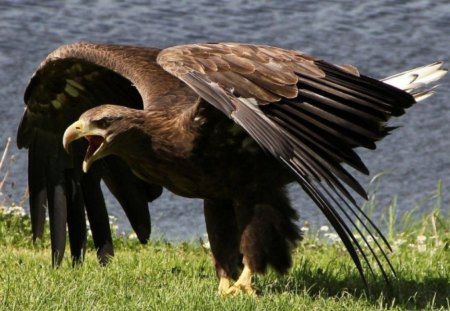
<point x="415" y="81"/>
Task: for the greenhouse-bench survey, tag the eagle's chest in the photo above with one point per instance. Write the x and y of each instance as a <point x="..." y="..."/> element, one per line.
<point x="223" y="162"/>
<point x="179" y="179"/>
<point x="200" y="176"/>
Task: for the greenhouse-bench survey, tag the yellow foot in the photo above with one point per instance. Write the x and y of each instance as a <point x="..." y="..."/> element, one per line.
<point x="224" y="285"/>
<point x="243" y="284"/>
<point x="237" y="289"/>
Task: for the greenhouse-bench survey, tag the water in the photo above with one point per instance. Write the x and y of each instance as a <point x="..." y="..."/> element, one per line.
<point x="379" y="37"/>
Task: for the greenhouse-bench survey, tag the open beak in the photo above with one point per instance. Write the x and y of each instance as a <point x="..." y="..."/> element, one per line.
<point x="94" y="136"/>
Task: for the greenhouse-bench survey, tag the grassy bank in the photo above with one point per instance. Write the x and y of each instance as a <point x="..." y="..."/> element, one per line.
<point x="165" y="276"/>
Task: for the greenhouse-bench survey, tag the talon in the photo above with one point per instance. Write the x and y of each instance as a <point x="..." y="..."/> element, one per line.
<point x="238" y="289"/>
<point x="242" y="285"/>
<point x="224" y="286"/>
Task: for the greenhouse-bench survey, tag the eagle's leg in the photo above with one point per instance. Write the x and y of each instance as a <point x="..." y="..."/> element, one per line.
<point x="267" y="222"/>
<point x="243" y="284"/>
<point x="223" y="237"/>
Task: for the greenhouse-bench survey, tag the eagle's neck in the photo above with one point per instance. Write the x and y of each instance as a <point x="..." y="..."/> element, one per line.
<point x="173" y="134"/>
<point x="163" y="134"/>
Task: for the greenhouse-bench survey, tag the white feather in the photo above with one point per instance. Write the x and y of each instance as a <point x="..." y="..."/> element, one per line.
<point x="414" y="81"/>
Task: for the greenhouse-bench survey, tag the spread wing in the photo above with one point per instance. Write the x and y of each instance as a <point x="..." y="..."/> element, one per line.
<point x="307" y="113"/>
<point x="71" y="80"/>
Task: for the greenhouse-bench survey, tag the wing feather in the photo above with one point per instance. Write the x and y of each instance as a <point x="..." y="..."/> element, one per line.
<point x="71" y="80"/>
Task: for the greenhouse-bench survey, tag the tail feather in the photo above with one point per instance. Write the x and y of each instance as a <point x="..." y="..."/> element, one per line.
<point x="416" y="81"/>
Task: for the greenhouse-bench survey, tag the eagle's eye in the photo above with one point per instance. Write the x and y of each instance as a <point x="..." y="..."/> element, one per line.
<point x="103" y="122"/>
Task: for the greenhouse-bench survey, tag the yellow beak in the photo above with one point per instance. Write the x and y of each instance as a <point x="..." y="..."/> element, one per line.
<point x="73" y="132"/>
<point x="81" y="129"/>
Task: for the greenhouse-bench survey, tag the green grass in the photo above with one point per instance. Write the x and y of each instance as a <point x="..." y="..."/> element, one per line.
<point x="161" y="276"/>
<point x="165" y="276"/>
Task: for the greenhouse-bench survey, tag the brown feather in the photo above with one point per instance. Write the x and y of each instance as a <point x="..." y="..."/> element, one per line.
<point x="239" y="64"/>
<point x="244" y="87"/>
<point x="285" y="90"/>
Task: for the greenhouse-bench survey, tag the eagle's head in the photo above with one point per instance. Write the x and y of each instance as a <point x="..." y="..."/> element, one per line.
<point x="109" y="129"/>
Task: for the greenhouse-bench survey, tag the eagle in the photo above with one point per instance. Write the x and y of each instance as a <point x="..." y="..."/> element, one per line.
<point x="229" y="123"/>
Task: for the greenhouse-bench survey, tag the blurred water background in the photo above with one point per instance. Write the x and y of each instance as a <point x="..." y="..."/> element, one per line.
<point x="379" y="37"/>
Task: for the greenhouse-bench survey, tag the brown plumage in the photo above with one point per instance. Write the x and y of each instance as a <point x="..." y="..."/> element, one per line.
<point x="229" y="123"/>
